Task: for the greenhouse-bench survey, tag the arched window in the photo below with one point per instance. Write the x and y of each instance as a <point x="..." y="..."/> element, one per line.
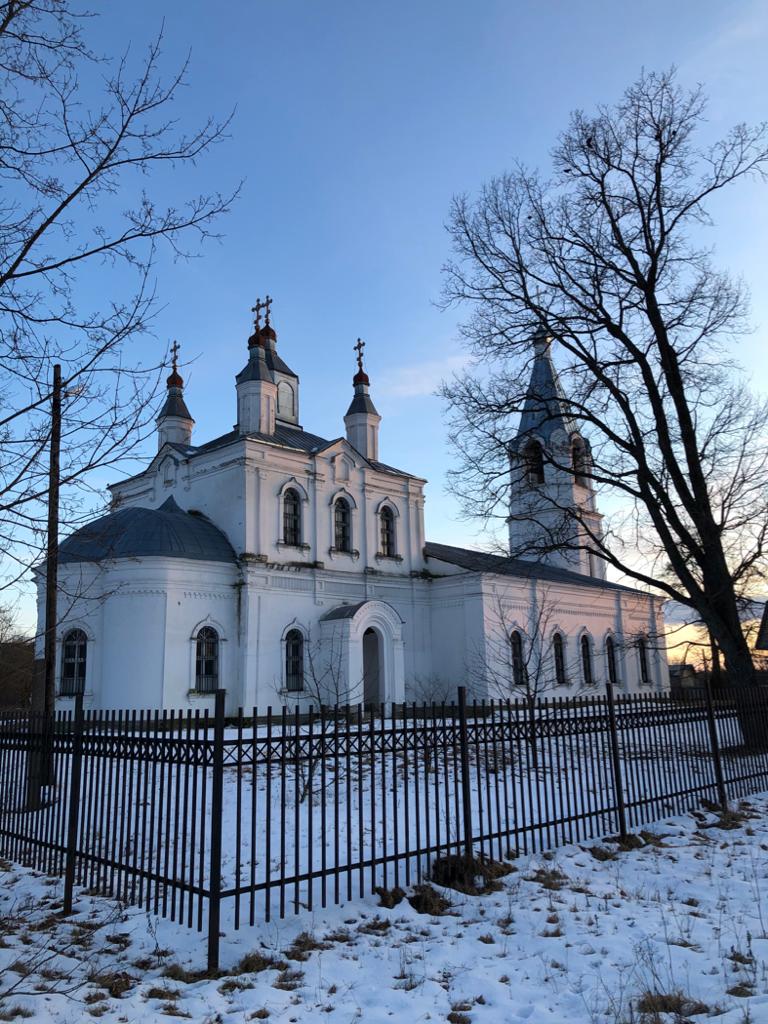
<point x="342" y="523"/>
<point x="642" y="653"/>
<point x="286" y="400"/>
<point x="74" y="650"/>
<point x="533" y="459"/>
<point x="207" y="660"/>
<point x="387" y="523"/>
<point x="294" y="660"/>
<point x="610" y="657"/>
<point x="580" y="461"/>
<point x="291" y="518"/>
<point x="586" y="661"/>
<point x="558" y="649"/>
<point x="519" y="673"/>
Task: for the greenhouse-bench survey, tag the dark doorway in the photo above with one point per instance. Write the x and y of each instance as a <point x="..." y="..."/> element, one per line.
<point x="371" y="667"/>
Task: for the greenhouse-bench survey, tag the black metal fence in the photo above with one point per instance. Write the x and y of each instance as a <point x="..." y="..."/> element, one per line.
<point x="218" y="822"/>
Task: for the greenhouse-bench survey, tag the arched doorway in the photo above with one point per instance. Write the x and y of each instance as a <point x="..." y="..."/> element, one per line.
<point x="371" y="667"/>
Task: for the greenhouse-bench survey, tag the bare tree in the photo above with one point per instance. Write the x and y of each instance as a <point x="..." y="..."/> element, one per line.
<point x="81" y="139"/>
<point x="605" y="255"/>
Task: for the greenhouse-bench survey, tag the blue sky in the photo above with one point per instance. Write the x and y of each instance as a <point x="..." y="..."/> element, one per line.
<point x="355" y="123"/>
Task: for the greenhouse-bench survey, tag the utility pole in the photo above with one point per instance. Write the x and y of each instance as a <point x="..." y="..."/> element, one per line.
<point x="52" y="552"/>
<point x="44" y="694"/>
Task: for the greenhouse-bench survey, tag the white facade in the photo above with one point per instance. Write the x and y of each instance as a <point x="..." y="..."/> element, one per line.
<point x="382" y="615"/>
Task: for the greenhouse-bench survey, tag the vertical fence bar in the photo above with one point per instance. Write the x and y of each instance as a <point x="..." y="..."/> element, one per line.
<point x="466" y="795"/>
<point x="616" y="759"/>
<point x="74" y="800"/>
<point x="217" y="805"/>
<point x="714" y="744"/>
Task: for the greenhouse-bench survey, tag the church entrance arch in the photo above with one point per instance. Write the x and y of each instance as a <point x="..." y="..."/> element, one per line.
<point x="369" y="639"/>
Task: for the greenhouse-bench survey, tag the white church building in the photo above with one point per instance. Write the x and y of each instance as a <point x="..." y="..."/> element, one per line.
<point x="286" y="568"/>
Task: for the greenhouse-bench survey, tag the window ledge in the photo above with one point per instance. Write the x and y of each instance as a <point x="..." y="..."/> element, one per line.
<point x="388" y="558"/>
<point x="201" y="694"/>
<point x="333" y="552"/>
<point x="296" y="547"/>
<point x="74" y="696"/>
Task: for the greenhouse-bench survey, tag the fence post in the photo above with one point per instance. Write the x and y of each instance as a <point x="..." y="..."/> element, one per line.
<point x="75" y="774"/>
<point x="714" y="744"/>
<point x="217" y="806"/>
<point x="616" y="760"/>
<point x="466" y="795"/>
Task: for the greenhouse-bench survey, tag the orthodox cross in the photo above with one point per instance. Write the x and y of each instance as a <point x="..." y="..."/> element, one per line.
<point x="267" y="304"/>
<point x="359" y="349"/>
<point x="175" y="354"/>
<point x="256" y="310"/>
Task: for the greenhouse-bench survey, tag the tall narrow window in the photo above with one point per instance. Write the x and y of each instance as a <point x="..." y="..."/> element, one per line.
<point x="73" y="659"/>
<point x="586" y="661"/>
<point x="519" y="674"/>
<point x="580" y="461"/>
<point x="642" y="653"/>
<point x="558" y="649"/>
<point x="294" y="661"/>
<point x="387" y="522"/>
<point x="610" y="657"/>
<point x="207" y="660"/>
<point x="533" y="459"/>
<point x="292" y="518"/>
<point x="342" y="521"/>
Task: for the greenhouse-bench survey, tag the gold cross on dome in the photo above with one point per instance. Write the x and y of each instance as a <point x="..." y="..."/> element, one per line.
<point x="175" y="354"/>
<point x="256" y="310"/>
<point x="359" y="349"/>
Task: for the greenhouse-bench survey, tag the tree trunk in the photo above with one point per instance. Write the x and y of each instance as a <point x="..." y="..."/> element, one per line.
<point x="740" y="671"/>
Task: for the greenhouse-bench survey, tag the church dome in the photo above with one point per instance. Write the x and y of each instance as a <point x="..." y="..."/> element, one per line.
<point x="166" y="532"/>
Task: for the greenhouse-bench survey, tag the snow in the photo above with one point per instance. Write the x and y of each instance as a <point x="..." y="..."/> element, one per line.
<point x="569" y="936"/>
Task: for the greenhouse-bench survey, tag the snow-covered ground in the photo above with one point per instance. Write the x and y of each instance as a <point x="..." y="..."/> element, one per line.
<point x="586" y="933"/>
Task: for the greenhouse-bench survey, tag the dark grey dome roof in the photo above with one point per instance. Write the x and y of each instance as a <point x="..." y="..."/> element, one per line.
<point x="168" y="531"/>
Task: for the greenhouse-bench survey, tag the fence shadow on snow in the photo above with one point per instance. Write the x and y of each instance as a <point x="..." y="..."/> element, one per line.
<point x="197" y="817"/>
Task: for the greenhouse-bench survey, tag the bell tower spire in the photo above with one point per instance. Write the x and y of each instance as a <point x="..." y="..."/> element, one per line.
<point x="174" y="423"/>
<point x="552" y="505"/>
<point x="362" y="420"/>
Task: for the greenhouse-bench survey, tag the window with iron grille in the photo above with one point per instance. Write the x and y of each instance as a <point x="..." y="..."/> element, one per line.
<point x="291" y="518"/>
<point x="559" y="651"/>
<point x="74" y="650"/>
<point x="610" y="656"/>
<point x="342" y="517"/>
<point x="519" y="672"/>
<point x="294" y="661"/>
<point x="642" y="653"/>
<point x="387" y="523"/>
<point x="586" y="661"/>
<point x="207" y="660"/>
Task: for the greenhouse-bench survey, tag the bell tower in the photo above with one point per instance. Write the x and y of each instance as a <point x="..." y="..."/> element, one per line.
<point x="551" y="488"/>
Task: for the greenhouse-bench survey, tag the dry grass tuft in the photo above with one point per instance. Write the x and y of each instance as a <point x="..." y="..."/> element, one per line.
<point x="426" y="900"/>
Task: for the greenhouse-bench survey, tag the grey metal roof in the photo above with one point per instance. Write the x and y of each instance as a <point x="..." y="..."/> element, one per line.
<point x="290" y="437"/>
<point x="257" y="367"/>
<point x="482" y="561"/>
<point x="361" y="403"/>
<point x="175" y="405"/>
<point x="276" y="363"/>
<point x="344" y="611"/>
<point x="546" y="409"/>
<point x="138" y="532"/>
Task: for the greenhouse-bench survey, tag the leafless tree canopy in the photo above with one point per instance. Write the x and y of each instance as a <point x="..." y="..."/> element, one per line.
<point x="607" y="254"/>
<point x="82" y="139"/>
